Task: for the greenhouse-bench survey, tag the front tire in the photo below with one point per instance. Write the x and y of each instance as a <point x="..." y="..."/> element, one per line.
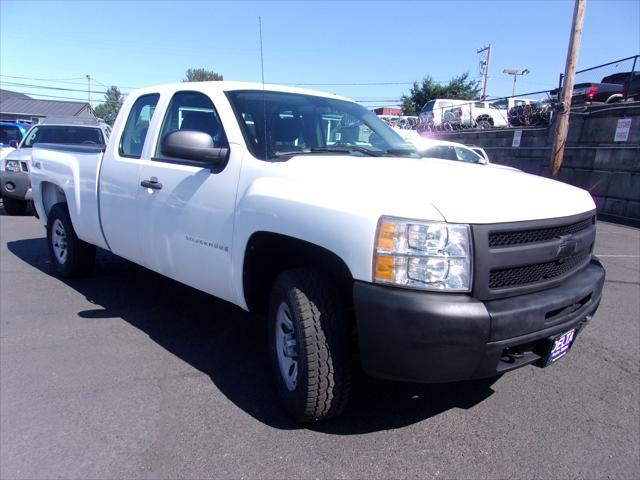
<point x="13" y="206"/>
<point x="308" y="345"/>
<point x="70" y="256"/>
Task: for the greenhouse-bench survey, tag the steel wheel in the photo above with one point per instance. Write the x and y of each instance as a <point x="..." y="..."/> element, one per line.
<point x="286" y="347"/>
<point x="59" y="241"/>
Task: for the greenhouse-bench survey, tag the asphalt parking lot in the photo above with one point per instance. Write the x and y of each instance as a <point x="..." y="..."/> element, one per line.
<point x="127" y="374"/>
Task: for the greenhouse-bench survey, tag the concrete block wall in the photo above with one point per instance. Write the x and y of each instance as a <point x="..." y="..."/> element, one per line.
<point x="609" y="170"/>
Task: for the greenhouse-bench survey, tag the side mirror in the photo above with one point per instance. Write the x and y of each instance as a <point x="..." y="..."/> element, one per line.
<point x="193" y="145"/>
<point x="13" y="144"/>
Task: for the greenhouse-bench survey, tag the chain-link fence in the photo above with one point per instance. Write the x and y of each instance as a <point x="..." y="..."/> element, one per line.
<point x="610" y="82"/>
<point x="528" y="109"/>
<point x="613" y="82"/>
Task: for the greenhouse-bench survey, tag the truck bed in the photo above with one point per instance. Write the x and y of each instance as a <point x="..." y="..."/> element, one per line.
<point x="75" y="169"/>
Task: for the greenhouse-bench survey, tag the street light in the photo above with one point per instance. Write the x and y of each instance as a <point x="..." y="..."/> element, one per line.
<point x="515" y="73"/>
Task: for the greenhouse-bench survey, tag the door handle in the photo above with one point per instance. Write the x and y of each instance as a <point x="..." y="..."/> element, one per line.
<point x="151" y="183"/>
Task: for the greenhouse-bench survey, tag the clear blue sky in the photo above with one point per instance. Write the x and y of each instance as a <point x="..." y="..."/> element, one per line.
<point x="133" y="44"/>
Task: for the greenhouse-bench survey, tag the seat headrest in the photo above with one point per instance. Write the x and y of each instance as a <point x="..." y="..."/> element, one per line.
<point x="200" y="121"/>
<point x="286" y="129"/>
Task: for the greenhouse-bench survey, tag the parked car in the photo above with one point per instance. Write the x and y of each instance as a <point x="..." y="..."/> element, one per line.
<point x="630" y="83"/>
<point x="11" y="134"/>
<point x="433" y="148"/>
<point x="308" y="210"/>
<point x="14" y="177"/>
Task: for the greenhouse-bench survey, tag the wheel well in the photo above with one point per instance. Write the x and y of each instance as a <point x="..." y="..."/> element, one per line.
<point x="51" y="194"/>
<point x="268" y="254"/>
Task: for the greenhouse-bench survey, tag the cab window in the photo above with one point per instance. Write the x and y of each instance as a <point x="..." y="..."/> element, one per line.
<point x="192" y="111"/>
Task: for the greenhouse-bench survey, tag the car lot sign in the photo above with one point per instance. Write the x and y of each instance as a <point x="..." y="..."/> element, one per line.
<point x="622" y="130"/>
<point x="517" y="136"/>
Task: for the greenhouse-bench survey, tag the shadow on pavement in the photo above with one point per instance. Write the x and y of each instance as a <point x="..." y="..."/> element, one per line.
<point x="229" y="345"/>
<point x="3" y="212"/>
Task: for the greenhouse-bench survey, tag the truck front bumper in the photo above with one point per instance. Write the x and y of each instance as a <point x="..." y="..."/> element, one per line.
<point x="438" y="337"/>
<point x="15" y="185"/>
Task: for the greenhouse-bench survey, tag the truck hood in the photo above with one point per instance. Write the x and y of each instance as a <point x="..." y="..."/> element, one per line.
<point x="460" y="192"/>
<point x="22" y="154"/>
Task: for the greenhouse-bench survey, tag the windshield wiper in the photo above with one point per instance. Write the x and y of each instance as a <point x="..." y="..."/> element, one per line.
<point x="401" y="151"/>
<point x="345" y="149"/>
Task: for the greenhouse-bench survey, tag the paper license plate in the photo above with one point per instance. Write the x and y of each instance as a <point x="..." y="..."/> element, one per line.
<point x="561" y="345"/>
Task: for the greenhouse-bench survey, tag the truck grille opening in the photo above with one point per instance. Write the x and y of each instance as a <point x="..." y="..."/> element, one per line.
<point x="517" y="276"/>
<point x="505" y="239"/>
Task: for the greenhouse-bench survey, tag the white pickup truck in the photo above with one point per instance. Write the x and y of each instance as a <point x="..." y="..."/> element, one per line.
<point x="307" y="209"/>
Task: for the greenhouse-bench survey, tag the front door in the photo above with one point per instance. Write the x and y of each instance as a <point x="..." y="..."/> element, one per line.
<point x="185" y="209"/>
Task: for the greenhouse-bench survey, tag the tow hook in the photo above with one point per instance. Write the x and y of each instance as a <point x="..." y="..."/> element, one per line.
<point x="511" y="355"/>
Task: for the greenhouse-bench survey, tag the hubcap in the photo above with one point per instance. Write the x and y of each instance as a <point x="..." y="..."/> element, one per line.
<point x="59" y="241"/>
<point x="286" y="347"/>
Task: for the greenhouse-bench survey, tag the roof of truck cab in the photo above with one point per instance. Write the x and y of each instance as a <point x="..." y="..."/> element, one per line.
<point x="227" y="86"/>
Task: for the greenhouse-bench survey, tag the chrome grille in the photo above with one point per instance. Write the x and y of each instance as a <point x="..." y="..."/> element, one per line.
<point x="517" y="276"/>
<point x="505" y="239"/>
<point x="523" y="257"/>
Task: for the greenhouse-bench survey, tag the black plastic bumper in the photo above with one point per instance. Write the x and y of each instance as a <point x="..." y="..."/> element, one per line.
<point x="437" y="337"/>
<point x="15" y="185"/>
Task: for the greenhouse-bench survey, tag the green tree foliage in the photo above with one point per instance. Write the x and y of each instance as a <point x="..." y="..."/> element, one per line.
<point x="201" y="75"/>
<point x="108" y="111"/>
<point x="458" y="88"/>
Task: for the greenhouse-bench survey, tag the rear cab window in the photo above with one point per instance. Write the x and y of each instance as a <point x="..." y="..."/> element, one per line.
<point x="135" y="130"/>
<point x="63" y="134"/>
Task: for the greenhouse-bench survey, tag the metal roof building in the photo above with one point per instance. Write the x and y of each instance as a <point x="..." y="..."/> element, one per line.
<point x="16" y="106"/>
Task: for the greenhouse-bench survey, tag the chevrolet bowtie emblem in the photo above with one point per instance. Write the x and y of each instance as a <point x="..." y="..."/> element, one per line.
<point x="567" y="247"/>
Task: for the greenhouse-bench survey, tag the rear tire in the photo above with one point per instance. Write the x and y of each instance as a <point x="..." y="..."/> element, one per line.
<point x="308" y="345"/>
<point x="70" y="256"/>
<point x="13" y="206"/>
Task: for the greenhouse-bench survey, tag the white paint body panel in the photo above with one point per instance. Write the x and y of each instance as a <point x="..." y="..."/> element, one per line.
<point x="333" y="201"/>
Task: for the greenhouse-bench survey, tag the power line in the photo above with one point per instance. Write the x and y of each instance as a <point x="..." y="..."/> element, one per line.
<point x="119" y="87"/>
<point x="31" y="86"/>
<point x="352" y="84"/>
<point x="61" y="80"/>
<point x="79" y="100"/>
<point x="69" y="83"/>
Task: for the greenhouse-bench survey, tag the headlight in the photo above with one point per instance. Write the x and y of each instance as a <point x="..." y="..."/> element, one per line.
<point x="426" y="255"/>
<point x="13" y="166"/>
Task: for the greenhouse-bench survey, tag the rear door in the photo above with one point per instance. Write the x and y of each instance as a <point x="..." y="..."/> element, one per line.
<point x="119" y="182"/>
<point x="186" y="219"/>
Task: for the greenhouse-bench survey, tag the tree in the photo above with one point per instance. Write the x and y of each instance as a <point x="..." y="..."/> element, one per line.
<point x="201" y="75"/>
<point x="458" y="88"/>
<point x="108" y="110"/>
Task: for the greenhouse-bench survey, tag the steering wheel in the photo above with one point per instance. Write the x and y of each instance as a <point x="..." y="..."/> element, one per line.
<point x="89" y="142"/>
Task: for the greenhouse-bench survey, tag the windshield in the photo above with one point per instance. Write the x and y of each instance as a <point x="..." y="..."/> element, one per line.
<point x="9" y="133"/>
<point x="428" y="107"/>
<point x="280" y="124"/>
<point x="71" y="134"/>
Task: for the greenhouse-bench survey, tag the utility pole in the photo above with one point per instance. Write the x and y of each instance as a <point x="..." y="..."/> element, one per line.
<point x="484" y="68"/>
<point x="562" y="122"/>
<point x="89" y="88"/>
